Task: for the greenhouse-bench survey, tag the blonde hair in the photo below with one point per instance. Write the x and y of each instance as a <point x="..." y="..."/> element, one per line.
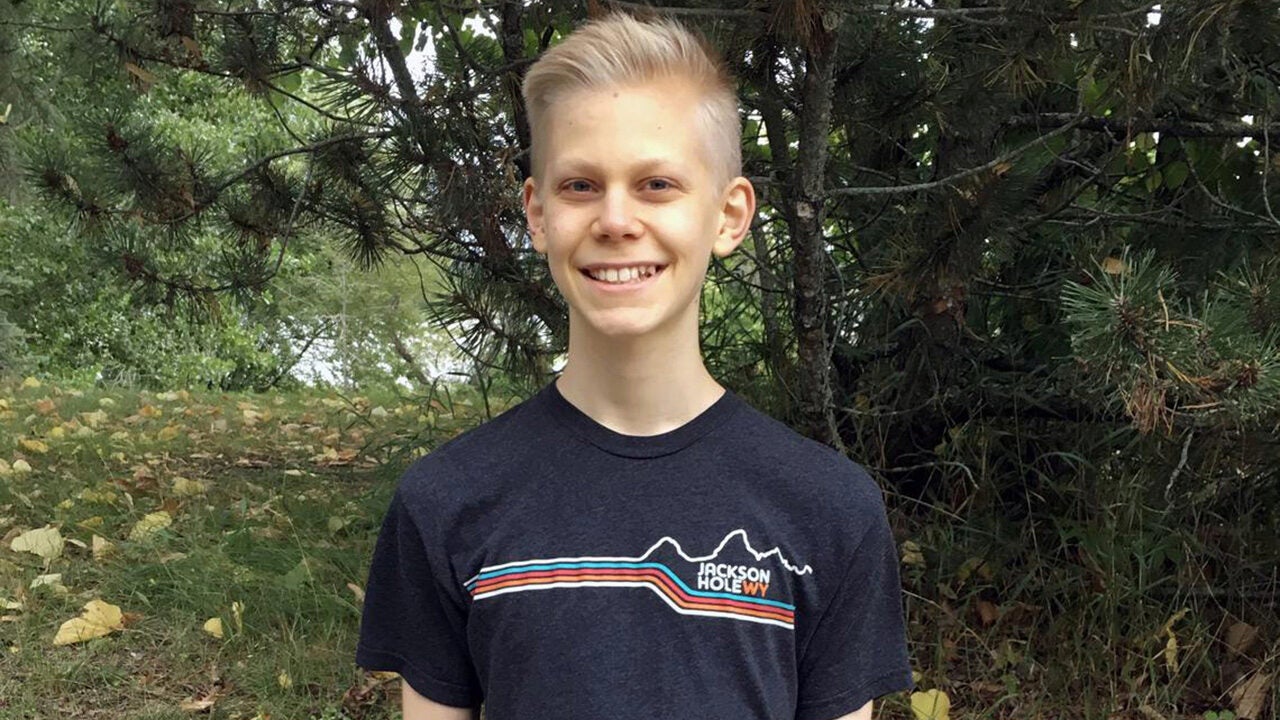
<point x="620" y="50"/>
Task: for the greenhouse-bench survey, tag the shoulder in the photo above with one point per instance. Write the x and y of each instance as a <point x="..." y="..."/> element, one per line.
<point x="454" y="466"/>
<point x="802" y="472"/>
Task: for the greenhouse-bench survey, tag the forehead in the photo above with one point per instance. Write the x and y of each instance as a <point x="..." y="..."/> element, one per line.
<point x="642" y="126"/>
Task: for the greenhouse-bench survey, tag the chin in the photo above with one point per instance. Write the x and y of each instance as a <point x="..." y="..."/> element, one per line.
<point x="622" y="327"/>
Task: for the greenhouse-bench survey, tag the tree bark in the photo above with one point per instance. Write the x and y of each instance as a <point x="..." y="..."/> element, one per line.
<point x="806" y="213"/>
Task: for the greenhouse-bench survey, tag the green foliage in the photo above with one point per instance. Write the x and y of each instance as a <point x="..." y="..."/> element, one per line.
<point x="1166" y="354"/>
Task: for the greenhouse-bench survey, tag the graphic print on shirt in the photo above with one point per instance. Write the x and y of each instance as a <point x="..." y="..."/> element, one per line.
<point x="732" y="582"/>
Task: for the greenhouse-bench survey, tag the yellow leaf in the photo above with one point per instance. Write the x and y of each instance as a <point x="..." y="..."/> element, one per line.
<point x="34" y="446"/>
<point x="168" y="432"/>
<point x="911" y="554"/>
<point x="102" y="548"/>
<point x="1171" y="653"/>
<point x="30" y="382"/>
<point x="46" y="542"/>
<point x="182" y="487"/>
<point x="106" y="402"/>
<point x="98" y="619"/>
<point x="931" y="705"/>
<point x="5" y="468"/>
<point x="21" y="467"/>
<point x="150" y="524"/>
<point x="237" y="615"/>
<point x="53" y="581"/>
<point x="195" y="705"/>
<point x="213" y="626"/>
<point x="57" y="433"/>
<point x="284" y="680"/>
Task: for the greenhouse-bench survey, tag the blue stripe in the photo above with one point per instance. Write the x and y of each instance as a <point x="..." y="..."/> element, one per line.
<point x="666" y="570"/>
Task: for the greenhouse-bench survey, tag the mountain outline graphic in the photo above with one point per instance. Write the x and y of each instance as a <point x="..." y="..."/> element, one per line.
<point x="651" y="571"/>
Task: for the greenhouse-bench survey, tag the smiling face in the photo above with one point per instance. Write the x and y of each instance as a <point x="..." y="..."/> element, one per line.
<point x="628" y="211"/>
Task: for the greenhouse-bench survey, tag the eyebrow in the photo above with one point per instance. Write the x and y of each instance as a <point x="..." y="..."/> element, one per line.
<point x="583" y="165"/>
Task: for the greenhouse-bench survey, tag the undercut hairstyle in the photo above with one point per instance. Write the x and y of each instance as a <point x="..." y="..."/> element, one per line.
<point x="619" y="50"/>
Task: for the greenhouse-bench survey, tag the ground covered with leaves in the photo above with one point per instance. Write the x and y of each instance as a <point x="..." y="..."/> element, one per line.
<point x="171" y="554"/>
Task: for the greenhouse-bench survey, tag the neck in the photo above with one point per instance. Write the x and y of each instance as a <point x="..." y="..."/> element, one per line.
<point x="637" y="386"/>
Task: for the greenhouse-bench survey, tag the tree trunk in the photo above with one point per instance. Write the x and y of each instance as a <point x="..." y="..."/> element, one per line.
<point x="805" y="216"/>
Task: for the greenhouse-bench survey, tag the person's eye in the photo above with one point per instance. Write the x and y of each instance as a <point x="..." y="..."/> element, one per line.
<point x="578" y="186"/>
<point x="658" y="184"/>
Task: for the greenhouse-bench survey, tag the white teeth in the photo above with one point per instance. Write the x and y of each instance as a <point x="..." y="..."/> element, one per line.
<point x="625" y="275"/>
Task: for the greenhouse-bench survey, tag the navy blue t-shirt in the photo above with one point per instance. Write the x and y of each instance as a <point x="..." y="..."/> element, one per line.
<point x="730" y="569"/>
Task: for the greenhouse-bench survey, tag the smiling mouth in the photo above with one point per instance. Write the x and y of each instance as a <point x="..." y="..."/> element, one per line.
<point x="628" y="276"/>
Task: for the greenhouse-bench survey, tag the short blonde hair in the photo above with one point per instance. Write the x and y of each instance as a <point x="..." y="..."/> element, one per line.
<point x="618" y="50"/>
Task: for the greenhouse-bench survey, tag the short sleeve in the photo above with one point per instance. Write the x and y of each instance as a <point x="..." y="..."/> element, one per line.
<point x="858" y="649"/>
<point x="411" y="624"/>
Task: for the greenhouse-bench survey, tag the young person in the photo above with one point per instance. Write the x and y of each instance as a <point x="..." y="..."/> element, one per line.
<point x="635" y="541"/>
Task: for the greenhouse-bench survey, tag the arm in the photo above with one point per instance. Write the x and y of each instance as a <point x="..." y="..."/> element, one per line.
<point x="862" y="713"/>
<point x="417" y="707"/>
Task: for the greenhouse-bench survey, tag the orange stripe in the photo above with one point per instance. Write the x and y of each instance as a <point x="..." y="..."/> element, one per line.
<point x="663" y="588"/>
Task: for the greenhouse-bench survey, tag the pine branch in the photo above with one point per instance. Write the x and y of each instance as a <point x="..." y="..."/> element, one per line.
<point x="1129" y="126"/>
<point x="952" y="179"/>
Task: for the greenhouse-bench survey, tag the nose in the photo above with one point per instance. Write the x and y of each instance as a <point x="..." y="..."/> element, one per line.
<point x="618" y="216"/>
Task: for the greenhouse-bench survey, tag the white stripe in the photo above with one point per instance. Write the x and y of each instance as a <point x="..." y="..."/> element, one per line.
<point x="623" y="583"/>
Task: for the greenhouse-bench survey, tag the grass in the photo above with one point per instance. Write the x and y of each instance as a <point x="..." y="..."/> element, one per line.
<point x="1040" y="617"/>
<point x="295" y="487"/>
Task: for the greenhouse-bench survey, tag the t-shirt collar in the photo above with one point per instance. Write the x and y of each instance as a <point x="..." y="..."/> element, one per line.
<point x="636" y="446"/>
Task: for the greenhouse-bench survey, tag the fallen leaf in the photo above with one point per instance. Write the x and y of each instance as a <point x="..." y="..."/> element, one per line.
<point x="1249" y="696"/>
<point x="237" y="615"/>
<point x="284" y="680"/>
<point x="182" y="487"/>
<point x="1240" y="637"/>
<point x="34" y="446"/>
<point x="931" y="705"/>
<point x="21" y="467"/>
<point x="30" y="382"/>
<point x="102" y="548"/>
<point x="46" y="542"/>
<point x="988" y="612"/>
<point x="213" y="626"/>
<point x="911" y="554"/>
<point x="98" y="620"/>
<point x="196" y="704"/>
<point x="357" y="591"/>
<point x="150" y="524"/>
<point x="53" y="581"/>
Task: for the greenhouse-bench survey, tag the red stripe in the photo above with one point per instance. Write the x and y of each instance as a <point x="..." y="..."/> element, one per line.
<point x="678" y="593"/>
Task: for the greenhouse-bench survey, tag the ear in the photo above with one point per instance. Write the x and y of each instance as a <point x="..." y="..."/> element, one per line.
<point x="533" y="214"/>
<point x="737" y="209"/>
